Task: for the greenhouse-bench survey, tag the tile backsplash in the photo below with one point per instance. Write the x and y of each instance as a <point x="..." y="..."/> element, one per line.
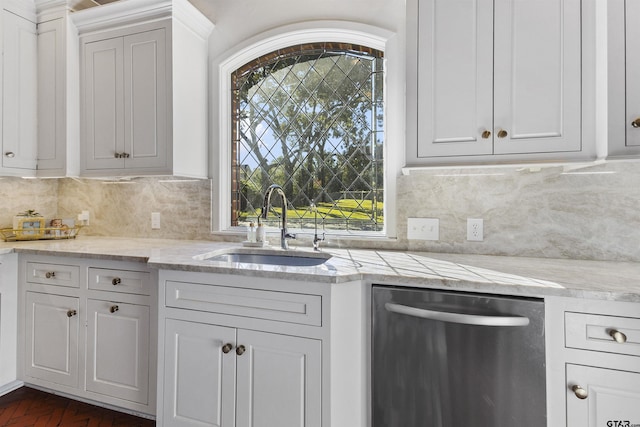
<point x="578" y="211"/>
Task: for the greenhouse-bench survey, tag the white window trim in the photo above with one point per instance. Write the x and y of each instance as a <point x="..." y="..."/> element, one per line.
<point x="301" y="33"/>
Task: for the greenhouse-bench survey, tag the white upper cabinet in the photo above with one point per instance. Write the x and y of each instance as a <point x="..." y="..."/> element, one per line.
<point x="632" y="27"/>
<point x="623" y="28"/>
<point x="143" y="89"/>
<point x="496" y="80"/>
<point x="19" y="91"/>
<point x="125" y="93"/>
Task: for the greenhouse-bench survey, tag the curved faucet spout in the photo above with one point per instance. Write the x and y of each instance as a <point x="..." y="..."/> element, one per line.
<point x="266" y="205"/>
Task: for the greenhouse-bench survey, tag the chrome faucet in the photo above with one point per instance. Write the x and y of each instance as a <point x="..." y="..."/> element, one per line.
<point x="284" y="234"/>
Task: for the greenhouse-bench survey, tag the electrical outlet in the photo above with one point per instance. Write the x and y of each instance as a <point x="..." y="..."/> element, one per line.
<point x="155" y="220"/>
<point x="83" y="218"/>
<point x="423" y="228"/>
<point x="475" y="229"/>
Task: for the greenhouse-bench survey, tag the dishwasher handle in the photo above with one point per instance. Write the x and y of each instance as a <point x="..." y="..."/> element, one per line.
<point x="466" y="319"/>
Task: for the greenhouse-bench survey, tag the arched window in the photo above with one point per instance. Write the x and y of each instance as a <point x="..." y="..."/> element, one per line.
<point x="310" y="119"/>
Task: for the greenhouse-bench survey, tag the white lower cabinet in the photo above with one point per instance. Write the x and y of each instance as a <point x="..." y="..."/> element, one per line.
<point x="279" y="380"/>
<point x="602" y="397"/>
<point x="52" y="337"/>
<point x="118" y="350"/>
<point x="89" y="329"/>
<point x="593" y="359"/>
<point x="222" y="376"/>
<point x="199" y="385"/>
<point x="241" y="351"/>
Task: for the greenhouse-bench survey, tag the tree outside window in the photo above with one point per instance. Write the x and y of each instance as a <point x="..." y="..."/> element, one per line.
<point x="310" y="119"/>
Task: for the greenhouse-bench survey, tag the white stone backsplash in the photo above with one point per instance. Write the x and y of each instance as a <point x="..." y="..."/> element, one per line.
<point x="580" y="211"/>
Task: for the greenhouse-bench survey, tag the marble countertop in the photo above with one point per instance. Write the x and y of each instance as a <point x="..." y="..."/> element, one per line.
<point x="537" y="277"/>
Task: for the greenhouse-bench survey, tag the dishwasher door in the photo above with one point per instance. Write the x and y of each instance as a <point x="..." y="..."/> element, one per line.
<point x="449" y="359"/>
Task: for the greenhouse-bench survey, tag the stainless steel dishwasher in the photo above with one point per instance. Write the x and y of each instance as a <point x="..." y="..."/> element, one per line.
<point x="450" y="359"/>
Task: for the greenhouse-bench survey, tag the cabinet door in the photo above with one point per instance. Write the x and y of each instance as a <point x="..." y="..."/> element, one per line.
<point x="19" y="90"/>
<point x="118" y="350"/>
<point x="455" y="80"/>
<point x="52" y="328"/>
<point x="103" y="112"/>
<point x="51" y="96"/>
<point x="613" y="397"/>
<point x="279" y="381"/>
<point x="632" y="27"/>
<point x="537" y="75"/>
<point x="145" y="91"/>
<point x="199" y="378"/>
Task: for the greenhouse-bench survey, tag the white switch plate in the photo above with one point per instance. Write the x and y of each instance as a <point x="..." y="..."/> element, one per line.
<point x="423" y="228"/>
<point x="155" y="220"/>
<point x="475" y="229"/>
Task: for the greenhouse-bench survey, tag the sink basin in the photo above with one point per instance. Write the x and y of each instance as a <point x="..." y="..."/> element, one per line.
<point x="292" y="259"/>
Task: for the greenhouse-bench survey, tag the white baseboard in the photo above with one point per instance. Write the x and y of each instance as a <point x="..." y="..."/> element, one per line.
<point x="9" y="387"/>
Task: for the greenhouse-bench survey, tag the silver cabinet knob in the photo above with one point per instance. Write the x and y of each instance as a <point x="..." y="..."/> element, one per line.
<point x="240" y="350"/>
<point x="71" y="313"/>
<point x="10" y="154"/>
<point x="50" y="274"/>
<point x="579" y="392"/>
<point x="227" y="348"/>
<point x="114" y="308"/>
<point x="636" y="123"/>
<point x="502" y="133"/>
<point x="618" y="336"/>
<point x="116" y="281"/>
<point x="486" y="134"/>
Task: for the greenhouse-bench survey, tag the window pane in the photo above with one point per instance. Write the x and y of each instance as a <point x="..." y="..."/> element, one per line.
<point x="310" y="119"/>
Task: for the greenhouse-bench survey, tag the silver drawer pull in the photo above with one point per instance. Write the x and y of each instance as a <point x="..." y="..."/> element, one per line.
<point x="466" y="319"/>
<point x="10" y="154"/>
<point x="114" y="308"/>
<point x="116" y="281"/>
<point x="71" y="313"/>
<point x="50" y="274"/>
<point x="240" y="350"/>
<point x="227" y="348"/>
<point x="618" y="336"/>
<point x="579" y="392"/>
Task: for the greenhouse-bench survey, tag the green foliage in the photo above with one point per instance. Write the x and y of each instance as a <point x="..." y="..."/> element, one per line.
<point x="311" y="121"/>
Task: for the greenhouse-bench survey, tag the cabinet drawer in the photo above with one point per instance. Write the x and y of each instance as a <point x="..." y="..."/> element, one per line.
<point x="272" y="305"/>
<point x="125" y="281"/>
<point x="596" y="331"/>
<point x="53" y="274"/>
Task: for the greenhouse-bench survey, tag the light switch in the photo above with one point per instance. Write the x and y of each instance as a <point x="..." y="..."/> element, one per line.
<point x="423" y="228"/>
<point x="155" y="220"/>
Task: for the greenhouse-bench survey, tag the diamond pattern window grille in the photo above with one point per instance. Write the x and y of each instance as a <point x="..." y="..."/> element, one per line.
<point x="311" y="119"/>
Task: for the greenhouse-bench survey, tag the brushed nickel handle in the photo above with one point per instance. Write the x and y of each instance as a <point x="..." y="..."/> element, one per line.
<point x="50" y="274"/>
<point x="227" y="348"/>
<point x="114" y="308"/>
<point x="71" y="313"/>
<point x="579" y="392"/>
<point x="618" y="336"/>
<point x="486" y="134"/>
<point x="125" y="155"/>
<point x="502" y="133"/>
<point x="116" y="281"/>
<point x="240" y="350"/>
<point x="636" y="123"/>
<point x="10" y="154"/>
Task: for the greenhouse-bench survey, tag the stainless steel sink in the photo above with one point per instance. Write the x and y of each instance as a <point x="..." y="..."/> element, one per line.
<point x="292" y="259"/>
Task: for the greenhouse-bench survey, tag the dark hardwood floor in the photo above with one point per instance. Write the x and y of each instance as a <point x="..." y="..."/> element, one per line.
<point x="26" y="407"/>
